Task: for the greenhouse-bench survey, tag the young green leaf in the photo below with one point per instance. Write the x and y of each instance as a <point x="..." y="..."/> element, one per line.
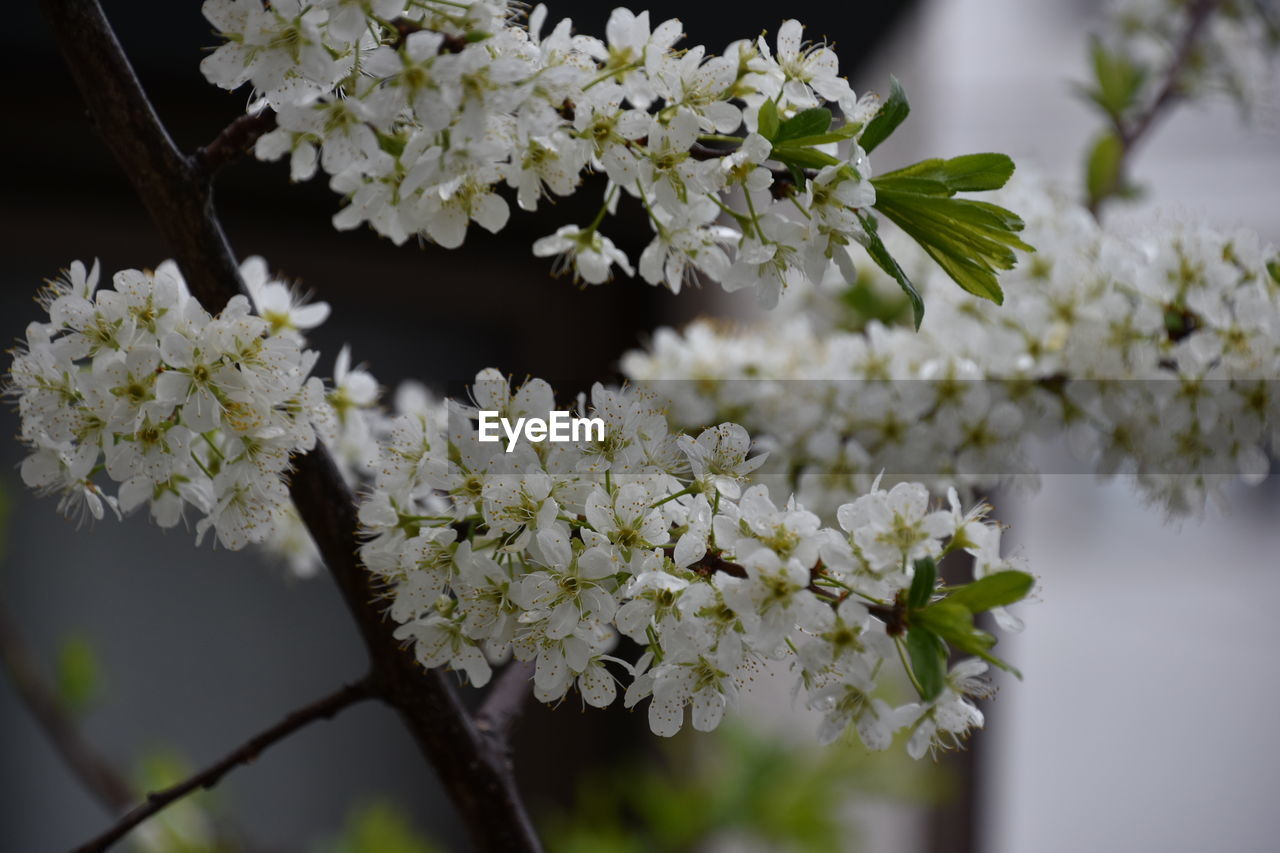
<point x="811" y="122"/>
<point x="801" y="157"/>
<point x="876" y="249"/>
<point x="953" y="623"/>
<point x="767" y="120"/>
<point x="969" y="239"/>
<point x="995" y="590"/>
<point x="928" y="662"/>
<point x="841" y="133"/>
<point x="922" y="583"/>
<point x="891" y="114"/>
<point x="1117" y="80"/>
<point x="967" y="173"/>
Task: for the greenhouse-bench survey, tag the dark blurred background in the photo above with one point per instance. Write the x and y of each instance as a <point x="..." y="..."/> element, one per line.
<point x="197" y="649"/>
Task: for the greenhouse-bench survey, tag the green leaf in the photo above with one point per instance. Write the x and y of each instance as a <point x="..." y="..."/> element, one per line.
<point x="891" y="114"/>
<point x="876" y="249"/>
<point x="967" y="173"/>
<point x="841" y="133"/>
<point x="1273" y="269"/>
<point x="995" y="590"/>
<point x="922" y="583"/>
<point x="1102" y="174"/>
<point x="928" y="662"/>
<point x="767" y="120"/>
<point x="1117" y="80"/>
<point x="77" y="673"/>
<point x="948" y="620"/>
<point x="811" y="122"/>
<point x="801" y="157"/>
<point x="953" y="623"/>
<point x="969" y="239"/>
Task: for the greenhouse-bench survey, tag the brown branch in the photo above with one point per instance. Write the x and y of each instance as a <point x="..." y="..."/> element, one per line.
<point x="93" y="770"/>
<point x="1131" y="132"/>
<point x="321" y="709"/>
<point x="234" y="141"/>
<point x="504" y="702"/>
<point x="476" y="774"/>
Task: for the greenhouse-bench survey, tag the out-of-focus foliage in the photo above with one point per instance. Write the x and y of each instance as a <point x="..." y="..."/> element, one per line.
<point x="379" y="827"/>
<point x="186" y="826"/>
<point x="737" y="784"/>
<point x="78" y="673"/>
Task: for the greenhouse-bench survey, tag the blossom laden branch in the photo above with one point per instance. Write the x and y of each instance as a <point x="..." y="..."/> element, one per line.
<point x="402" y="105"/>
<point x="551" y="555"/>
<point x="322" y="709"/>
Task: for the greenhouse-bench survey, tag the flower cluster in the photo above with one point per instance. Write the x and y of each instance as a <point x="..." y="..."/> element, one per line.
<point x="1155" y="351"/>
<point x="552" y="551"/>
<point x="180" y="408"/>
<point x="419" y="111"/>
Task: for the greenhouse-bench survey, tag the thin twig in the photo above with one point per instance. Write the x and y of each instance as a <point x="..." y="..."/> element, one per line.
<point x="234" y="140"/>
<point x="504" y="702"/>
<point x="1131" y="132"/>
<point x="176" y="192"/>
<point x="92" y="769"/>
<point x="321" y="709"/>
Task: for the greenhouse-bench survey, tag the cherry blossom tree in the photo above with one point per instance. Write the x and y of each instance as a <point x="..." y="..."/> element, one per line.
<point x="712" y="527"/>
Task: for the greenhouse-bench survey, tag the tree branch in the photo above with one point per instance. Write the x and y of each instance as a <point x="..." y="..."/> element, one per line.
<point x="234" y="140"/>
<point x="1130" y="133"/>
<point x="94" y="772"/>
<point x="504" y="702"/>
<point x="177" y="193"/>
<point x="321" y="709"/>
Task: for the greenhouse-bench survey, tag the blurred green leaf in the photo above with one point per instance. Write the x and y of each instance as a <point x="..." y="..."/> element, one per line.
<point x="1102" y="172"/>
<point x="735" y="784"/>
<point x="78" y="673"/>
<point x="1117" y="80"/>
<point x="380" y="827"/>
<point x="953" y="623"/>
<point x="186" y="826"/>
<point x="865" y="301"/>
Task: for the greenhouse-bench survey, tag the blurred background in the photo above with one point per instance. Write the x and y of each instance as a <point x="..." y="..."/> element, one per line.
<point x="1145" y="722"/>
